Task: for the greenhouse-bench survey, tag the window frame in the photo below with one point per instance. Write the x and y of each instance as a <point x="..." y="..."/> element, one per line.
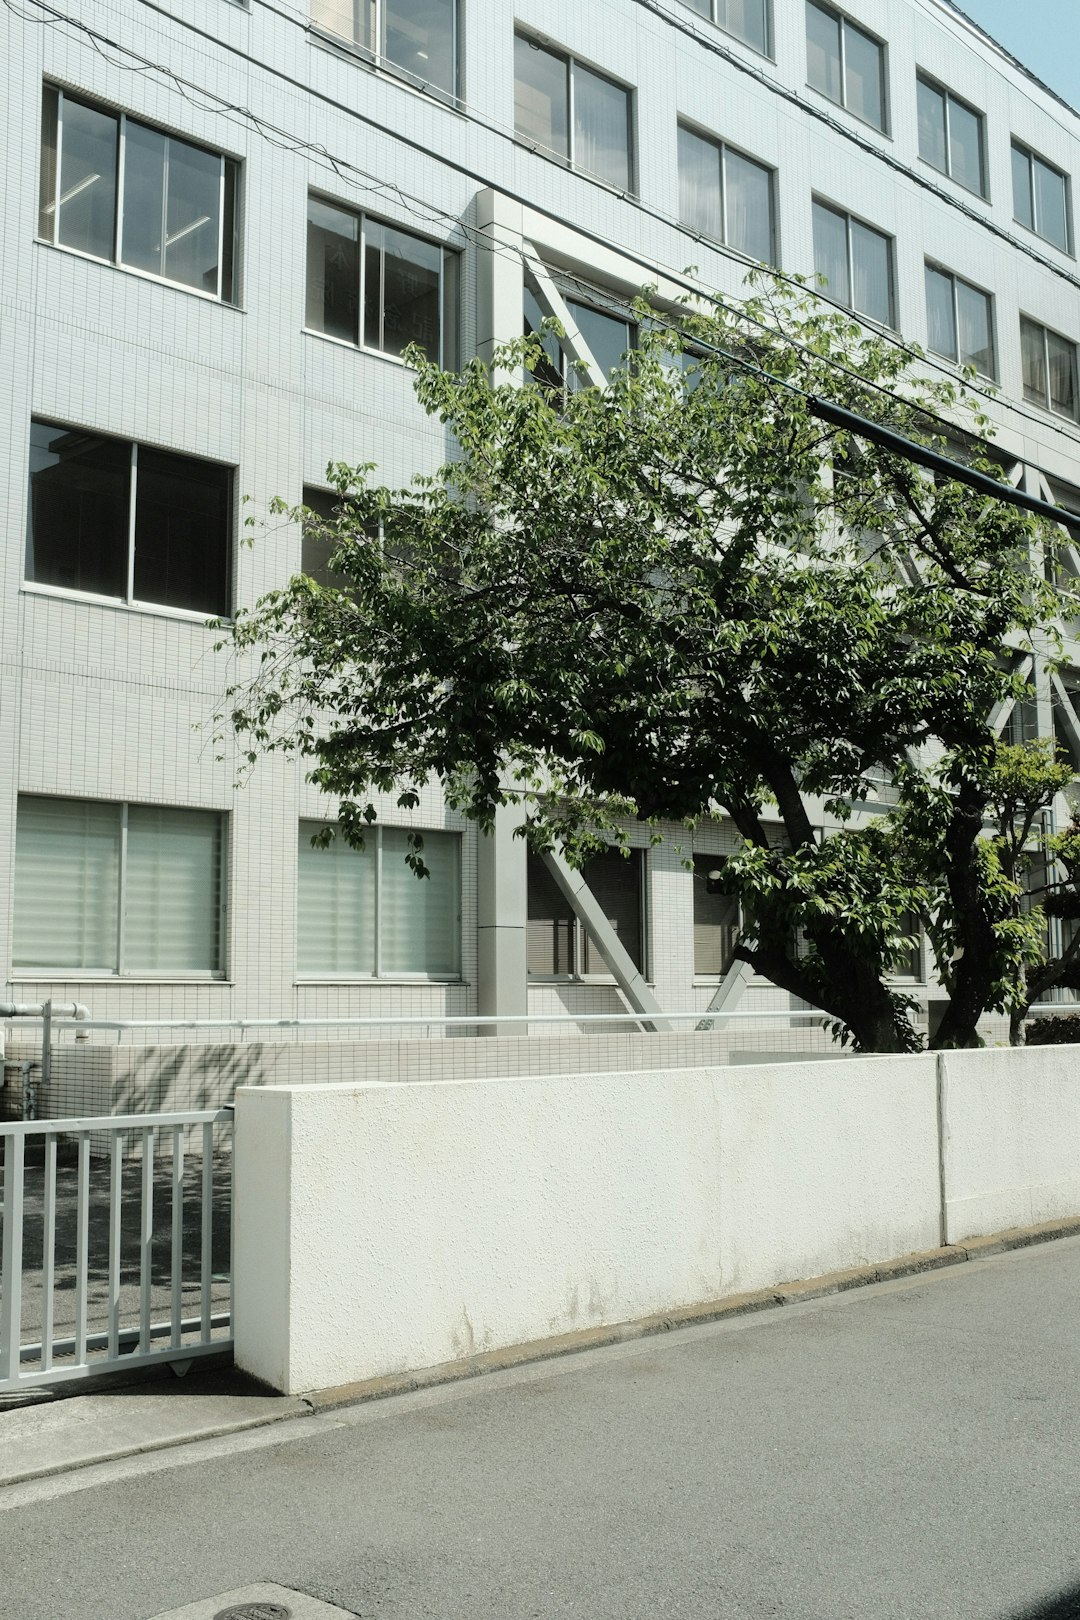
<point x="129" y="601"/>
<point x="1032" y="157"/>
<point x="1046" y="402"/>
<point x="710" y="15"/>
<point x="845" y="22"/>
<point x="948" y="97"/>
<point x="560" y="54"/>
<point x="377" y="976"/>
<point x="581" y="944"/>
<point x="723" y="147"/>
<point x="449" y="354"/>
<point x="123" y="118"/>
<point x="703" y="864"/>
<point x="892" y="325"/>
<point x="962" y="281"/>
<point x="215" y="975"/>
<point x="375" y="55"/>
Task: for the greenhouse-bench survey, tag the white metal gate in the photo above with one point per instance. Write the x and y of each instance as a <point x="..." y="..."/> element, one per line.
<point x="114" y="1244"/>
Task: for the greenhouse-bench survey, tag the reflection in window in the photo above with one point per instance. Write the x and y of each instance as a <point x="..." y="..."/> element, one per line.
<point x="1040" y="196"/>
<point x="417" y="37"/>
<point x="725" y="195"/>
<point x="1049" y="362"/>
<point x="556" y="943"/>
<point x="845" y="64"/>
<point x="959" y="321"/>
<point x="856" y="261"/>
<point x="406" y="286"/>
<point x="609" y="338"/>
<point x="365" y="914"/>
<point x="748" y="20"/>
<point x="572" y="112"/>
<point x="951" y="136"/>
<point x="84" y="489"/>
<point x="172" y="216"/>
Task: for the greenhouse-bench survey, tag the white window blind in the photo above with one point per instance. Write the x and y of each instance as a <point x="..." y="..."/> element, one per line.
<point x="114" y="888"/>
<point x="365" y="914"/>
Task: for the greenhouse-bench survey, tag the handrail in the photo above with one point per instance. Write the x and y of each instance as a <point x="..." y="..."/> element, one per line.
<point x="390" y="1021"/>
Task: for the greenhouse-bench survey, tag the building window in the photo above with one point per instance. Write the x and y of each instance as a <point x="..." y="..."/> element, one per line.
<point x="557" y="944"/>
<point x="1049" y="368"/>
<point x="124" y="521"/>
<point x="725" y="195"/>
<point x="121" y="191"/>
<point x="379" y="287"/>
<point x="748" y="20"/>
<point x="716" y="919"/>
<point x="609" y="337"/>
<point x="573" y="113"/>
<point x="417" y="38"/>
<point x="845" y="63"/>
<point x="959" y="320"/>
<point x="951" y="136"/>
<point x="1041" y="197"/>
<point x="117" y="888"/>
<point x="856" y="262"/>
<point x="366" y="915"/>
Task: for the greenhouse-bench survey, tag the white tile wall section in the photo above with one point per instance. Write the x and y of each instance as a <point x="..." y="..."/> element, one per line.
<point x="104" y="702"/>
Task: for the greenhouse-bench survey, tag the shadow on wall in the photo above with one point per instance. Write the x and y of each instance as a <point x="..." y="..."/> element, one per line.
<point x="1064" y="1605"/>
<point x="183" y="1078"/>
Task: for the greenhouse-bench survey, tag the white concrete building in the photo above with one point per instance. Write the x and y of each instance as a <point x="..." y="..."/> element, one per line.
<point x="223" y="223"/>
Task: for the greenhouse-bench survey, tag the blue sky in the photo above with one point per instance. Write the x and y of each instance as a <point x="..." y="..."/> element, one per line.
<point x="1043" y="34"/>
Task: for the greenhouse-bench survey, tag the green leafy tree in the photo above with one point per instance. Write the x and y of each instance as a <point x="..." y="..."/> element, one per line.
<point x="682" y="596"/>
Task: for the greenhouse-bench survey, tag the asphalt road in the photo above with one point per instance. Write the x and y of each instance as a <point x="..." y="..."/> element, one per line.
<point x="909" y="1451"/>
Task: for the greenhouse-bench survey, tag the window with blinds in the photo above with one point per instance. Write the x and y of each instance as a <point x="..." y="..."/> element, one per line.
<point x="716" y="919"/>
<point x="557" y="945"/>
<point x="364" y="914"/>
<point x="117" y="888"/>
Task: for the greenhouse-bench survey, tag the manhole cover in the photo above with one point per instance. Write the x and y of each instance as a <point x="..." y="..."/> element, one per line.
<point x="254" y="1611"/>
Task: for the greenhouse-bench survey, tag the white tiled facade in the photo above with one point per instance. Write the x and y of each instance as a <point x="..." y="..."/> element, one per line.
<point x="116" y="703"/>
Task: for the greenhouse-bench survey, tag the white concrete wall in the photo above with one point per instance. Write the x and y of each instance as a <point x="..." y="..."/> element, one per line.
<point x="381" y="1228"/>
<point x="1011" y="1138"/>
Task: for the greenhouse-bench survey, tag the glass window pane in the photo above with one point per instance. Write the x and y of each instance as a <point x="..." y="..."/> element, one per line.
<point x="333" y="271"/>
<point x="450" y="357"/>
<point x="976" y="328"/>
<point x="550" y="933"/>
<point x="823" y="51"/>
<point x="228" y="235"/>
<point x="145" y="153"/>
<point x="864" y="90"/>
<point x="541" y="96"/>
<point x="1033" y="348"/>
<point x="420" y="39"/>
<point x="932" y="125"/>
<point x="871" y="268"/>
<point x="551" y="370"/>
<point x="373" y="285"/>
<point x="351" y="19"/>
<point x="1023" y="205"/>
<point x="716" y="919"/>
<point x="601" y="127"/>
<point x="335" y="907"/>
<point x="703" y="7"/>
<point x="315" y="550"/>
<point x="87" y="204"/>
<point x="67" y="876"/>
<point x="410" y="293"/>
<point x="747" y="20"/>
<point x="192" y="216"/>
<point x="77" y="515"/>
<point x="50" y="106"/>
<point x="965" y="147"/>
<point x="700" y="204"/>
<point x="748" y="194"/>
<point x="419" y="918"/>
<point x="830" y="252"/>
<point x="172" y="891"/>
<point x="1061" y="368"/>
<point x="182" y="521"/>
<point x="940" y="321"/>
<point x="608" y="337"/>
<point x="1051" y="219"/>
<point x="615" y="881"/>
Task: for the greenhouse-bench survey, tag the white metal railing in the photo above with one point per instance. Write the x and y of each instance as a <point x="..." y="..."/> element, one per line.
<point x="116" y="1328"/>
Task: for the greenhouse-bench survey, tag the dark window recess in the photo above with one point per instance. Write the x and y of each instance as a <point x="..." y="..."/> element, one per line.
<point x="557" y="944"/>
<point x="716" y="919"/>
<point x="83" y="489"/>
